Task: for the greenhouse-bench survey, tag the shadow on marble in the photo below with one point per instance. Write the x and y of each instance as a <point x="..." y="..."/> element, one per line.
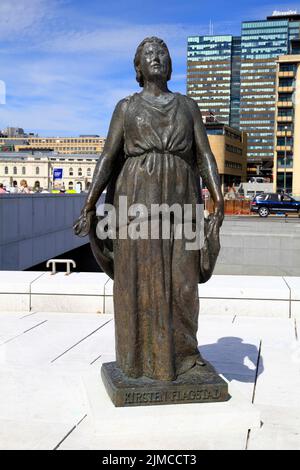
<point x="234" y="359"/>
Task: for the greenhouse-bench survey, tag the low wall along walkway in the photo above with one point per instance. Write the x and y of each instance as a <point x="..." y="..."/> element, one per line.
<point x="262" y="296"/>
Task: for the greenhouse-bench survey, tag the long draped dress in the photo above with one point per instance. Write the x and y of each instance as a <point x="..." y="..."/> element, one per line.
<point x="156" y="280"/>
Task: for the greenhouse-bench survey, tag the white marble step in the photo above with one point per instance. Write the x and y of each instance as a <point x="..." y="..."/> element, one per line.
<point x="51" y="339"/>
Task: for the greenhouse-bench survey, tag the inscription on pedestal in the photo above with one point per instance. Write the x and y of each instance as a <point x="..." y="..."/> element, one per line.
<point x="201" y="394"/>
<point x="200" y="386"/>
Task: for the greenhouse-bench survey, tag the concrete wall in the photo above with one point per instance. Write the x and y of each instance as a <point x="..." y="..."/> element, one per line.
<point x="259" y="247"/>
<point x="37" y="227"/>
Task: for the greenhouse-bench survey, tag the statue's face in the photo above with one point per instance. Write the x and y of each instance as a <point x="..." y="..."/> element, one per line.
<point x="154" y="61"/>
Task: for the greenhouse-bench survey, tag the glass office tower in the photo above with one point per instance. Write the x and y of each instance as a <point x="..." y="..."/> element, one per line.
<point x="262" y="43"/>
<point x="235" y="78"/>
<point x="213" y="75"/>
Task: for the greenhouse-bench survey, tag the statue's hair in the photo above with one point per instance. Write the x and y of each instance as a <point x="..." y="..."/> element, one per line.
<point x="137" y="58"/>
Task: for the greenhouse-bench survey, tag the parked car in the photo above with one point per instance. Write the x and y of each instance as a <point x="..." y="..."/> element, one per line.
<point x="258" y="179"/>
<point x="251" y="189"/>
<point x="267" y="203"/>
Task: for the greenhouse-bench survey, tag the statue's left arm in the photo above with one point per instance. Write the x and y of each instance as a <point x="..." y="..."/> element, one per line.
<point x="206" y="161"/>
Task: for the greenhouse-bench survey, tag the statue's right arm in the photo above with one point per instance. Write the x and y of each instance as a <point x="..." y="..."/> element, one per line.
<point x="104" y="168"/>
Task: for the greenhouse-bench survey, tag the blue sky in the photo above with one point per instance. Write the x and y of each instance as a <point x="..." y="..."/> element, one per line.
<point x="65" y="64"/>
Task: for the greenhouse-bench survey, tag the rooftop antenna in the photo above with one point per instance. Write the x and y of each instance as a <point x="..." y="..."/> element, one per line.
<point x="211" y="28"/>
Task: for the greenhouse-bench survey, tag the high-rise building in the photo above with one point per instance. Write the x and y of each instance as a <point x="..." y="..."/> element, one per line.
<point x="13" y="132"/>
<point x="287" y="125"/>
<point x="213" y="71"/>
<point x="262" y="43"/>
<point x="235" y="78"/>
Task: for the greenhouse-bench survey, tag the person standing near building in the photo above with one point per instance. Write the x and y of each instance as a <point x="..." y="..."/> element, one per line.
<point x="24" y="187"/>
<point x="2" y="190"/>
<point x="14" y="189"/>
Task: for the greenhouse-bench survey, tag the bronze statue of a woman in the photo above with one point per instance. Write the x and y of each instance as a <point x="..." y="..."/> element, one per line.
<point x="155" y="152"/>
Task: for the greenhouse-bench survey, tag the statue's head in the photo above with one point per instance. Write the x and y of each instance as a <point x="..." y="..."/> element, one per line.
<point x="147" y="47"/>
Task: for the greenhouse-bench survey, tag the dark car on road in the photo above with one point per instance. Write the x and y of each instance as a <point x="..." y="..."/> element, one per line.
<point x="272" y="203"/>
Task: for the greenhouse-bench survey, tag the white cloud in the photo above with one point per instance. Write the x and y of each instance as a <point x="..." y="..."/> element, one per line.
<point x="61" y="102"/>
<point x="23" y="16"/>
<point x="119" y="39"/>
<point x="69" y="73"/>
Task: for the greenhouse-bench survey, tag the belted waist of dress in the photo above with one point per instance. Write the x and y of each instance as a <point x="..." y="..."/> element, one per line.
<point x="185" y="158"/>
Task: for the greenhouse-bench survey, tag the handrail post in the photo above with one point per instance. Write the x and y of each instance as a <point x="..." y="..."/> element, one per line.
<point x="68" y="262"/>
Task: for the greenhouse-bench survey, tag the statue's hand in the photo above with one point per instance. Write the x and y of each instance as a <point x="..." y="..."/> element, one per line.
<point x="212" y="232"/>
<point x="82" y="225"/>
<point x="212" y="229"/>
<point x="211" y="248"/>
<point x="219" y="214"/>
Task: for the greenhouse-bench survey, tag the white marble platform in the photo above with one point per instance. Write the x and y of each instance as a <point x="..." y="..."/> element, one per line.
<point x="147" y="427"/>
<point x="77" y="292"/>
<point x="262" y="296"/>
<point x="245" y="295"/>
<point x="51" y="395"/>
<point x="15" y="289"/>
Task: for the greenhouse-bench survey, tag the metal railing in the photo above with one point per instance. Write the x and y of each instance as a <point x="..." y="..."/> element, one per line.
<point x="54" y="262"/>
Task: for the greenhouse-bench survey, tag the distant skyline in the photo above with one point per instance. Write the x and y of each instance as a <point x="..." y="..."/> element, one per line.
<point x="65" y="64"/>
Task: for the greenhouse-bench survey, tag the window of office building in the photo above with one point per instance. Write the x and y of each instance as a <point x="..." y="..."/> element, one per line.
<point x="285" y="112"/>
<point x="287" y="67"/>
<point x="285" y="127"/>
<point x="285" y="97"/>
<point x="285" y="162"/>
<point x="232" y="149"/>
<point x="285" y="181"/>
<point x="286" y="82"/>
<point x="284" y="141"/>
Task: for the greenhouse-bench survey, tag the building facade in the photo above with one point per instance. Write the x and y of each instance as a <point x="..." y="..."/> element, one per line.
<point x="213" y="75"/>
<point x="65" y="145"/>
<point x="12" y="132"/>
<point x="236" y="77"/>
<point x="262" y="43"/>
<point x="229" y="147"/>
<point x="287" y="125"/>
<point x="38" y="169"/>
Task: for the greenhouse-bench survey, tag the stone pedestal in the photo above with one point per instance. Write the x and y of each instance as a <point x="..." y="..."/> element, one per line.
<point x="201" y="384"/>
<point x="222" y="425"/>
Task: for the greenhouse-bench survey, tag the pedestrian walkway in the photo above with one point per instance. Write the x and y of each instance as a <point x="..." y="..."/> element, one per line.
<point x="47" y="359"/>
